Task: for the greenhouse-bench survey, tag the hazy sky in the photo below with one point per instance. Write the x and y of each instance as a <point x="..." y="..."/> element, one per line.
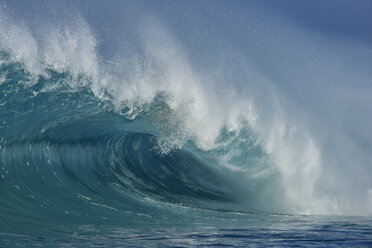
<point x="345" y="18"/>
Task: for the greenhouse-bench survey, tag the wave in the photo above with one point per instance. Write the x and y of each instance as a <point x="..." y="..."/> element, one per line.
<point x="63" y="147"/>
<point x="84" y="135"/>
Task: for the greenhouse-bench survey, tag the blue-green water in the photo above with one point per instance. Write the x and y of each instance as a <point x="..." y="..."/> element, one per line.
<point x="181" y="227"/>
<point x="146" y="149"/>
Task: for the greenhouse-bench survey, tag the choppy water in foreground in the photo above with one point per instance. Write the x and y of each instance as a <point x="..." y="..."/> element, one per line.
<point x="200" y="228"/>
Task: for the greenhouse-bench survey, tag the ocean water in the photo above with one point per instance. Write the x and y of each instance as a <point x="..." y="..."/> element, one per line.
<point x="119" y="130"/>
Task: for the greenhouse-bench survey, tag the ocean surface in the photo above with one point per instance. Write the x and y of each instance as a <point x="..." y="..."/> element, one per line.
<point x="145" y="139"/>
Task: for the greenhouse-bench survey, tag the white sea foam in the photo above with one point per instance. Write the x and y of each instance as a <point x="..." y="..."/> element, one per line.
<point x="65" y="47"/>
